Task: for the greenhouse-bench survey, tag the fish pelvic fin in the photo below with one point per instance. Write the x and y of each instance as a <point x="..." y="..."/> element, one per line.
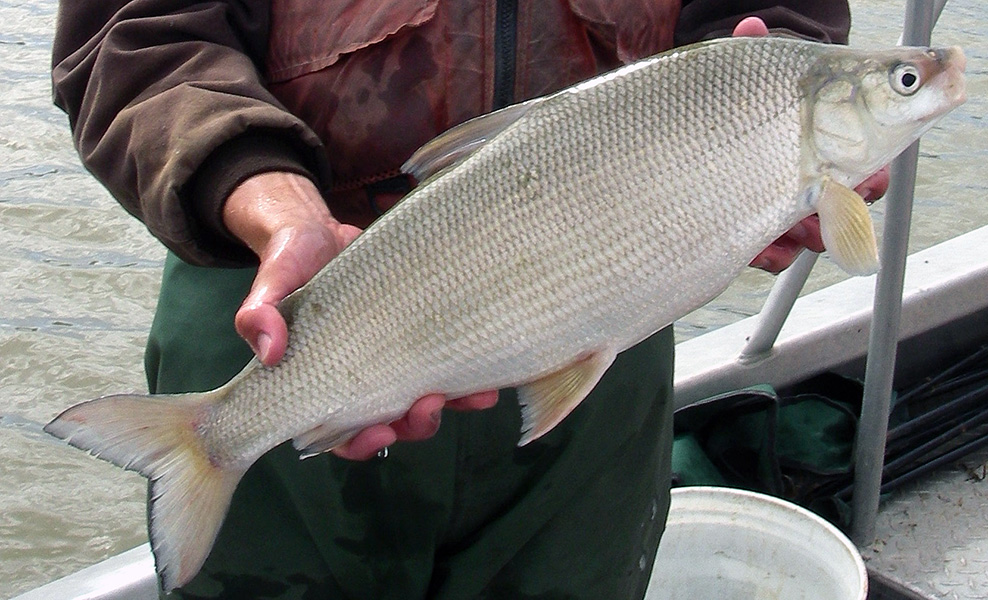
<point x="846" y="228"/>
<point x="546" y="401"/>
<point x="157" y="437"/>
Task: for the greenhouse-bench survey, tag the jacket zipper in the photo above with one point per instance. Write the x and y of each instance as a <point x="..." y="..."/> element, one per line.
<point x="505" y="50"/>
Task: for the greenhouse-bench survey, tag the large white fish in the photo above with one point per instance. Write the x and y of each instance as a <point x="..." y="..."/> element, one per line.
<point x="547" y="237"/>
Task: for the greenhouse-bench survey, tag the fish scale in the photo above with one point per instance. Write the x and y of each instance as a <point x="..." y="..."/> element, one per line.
<point x="544" y="239"/>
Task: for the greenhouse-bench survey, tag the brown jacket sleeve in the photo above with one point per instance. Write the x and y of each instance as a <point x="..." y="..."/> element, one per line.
<point x="154" y="88"/>
<point x="822" y="20"/>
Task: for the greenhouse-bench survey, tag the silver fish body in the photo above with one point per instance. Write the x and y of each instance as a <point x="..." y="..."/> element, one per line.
<point x="545" y="239"/>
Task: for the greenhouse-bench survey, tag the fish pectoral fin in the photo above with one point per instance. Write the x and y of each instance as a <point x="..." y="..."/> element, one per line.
<point x="459" y="142"/>
<point x="157" y="436"/>
<point x="546" y="401"/>
<point x="322" y="438"/>
<point x="846" y="228"/>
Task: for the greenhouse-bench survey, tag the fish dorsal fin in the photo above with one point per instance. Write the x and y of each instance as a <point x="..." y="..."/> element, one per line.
<point x="846" y="228"/>
<point x="288" y="306"/>
<point x="546" y="401"/>
<point x="458" y="143"/>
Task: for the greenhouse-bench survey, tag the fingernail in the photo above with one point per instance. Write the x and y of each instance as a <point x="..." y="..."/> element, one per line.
<point x="263" y="346"/>
<point x="436" y="417"/>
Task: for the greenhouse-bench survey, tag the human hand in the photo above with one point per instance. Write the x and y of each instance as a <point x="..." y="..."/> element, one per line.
<point x="419" y="423"/>
<point x="283" y="218"/>
<point x="806" y="234"/>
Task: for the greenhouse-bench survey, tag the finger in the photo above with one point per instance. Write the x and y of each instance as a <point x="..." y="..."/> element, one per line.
<point x="806" y="234"/>
<point x="750" y="27"/>
<point x="258" y="320"/>
<point x="778" y="256"/>
<point x="874" y="187"/>
<point x="291" y="258"/>
<point x="347" y="233"/>
<point x="265" y="330"/>
<point x="422" y="419"/>
<point x="479" y="401"/>
<point x="366" y="444"/>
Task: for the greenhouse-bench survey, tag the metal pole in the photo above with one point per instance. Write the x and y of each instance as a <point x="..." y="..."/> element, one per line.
<point x="937" y="9"/>
<point x="777" y="307"/>
<point x="873" y="428"/>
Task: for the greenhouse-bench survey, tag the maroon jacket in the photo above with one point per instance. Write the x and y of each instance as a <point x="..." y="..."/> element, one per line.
<point x="173" y="104"/>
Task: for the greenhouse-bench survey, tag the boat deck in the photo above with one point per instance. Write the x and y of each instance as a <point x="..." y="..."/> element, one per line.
<point x="932" y="534"/>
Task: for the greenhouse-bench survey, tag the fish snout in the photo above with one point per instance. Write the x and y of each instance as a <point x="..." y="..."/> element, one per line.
<point x="950" y="58"/>
<point x="947" y="65"/>
<point x="956" y="63"/>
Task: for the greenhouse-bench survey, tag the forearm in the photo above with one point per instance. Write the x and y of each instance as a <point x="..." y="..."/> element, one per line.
<point x="823" y="20"/>
<point x="155" y="90"/>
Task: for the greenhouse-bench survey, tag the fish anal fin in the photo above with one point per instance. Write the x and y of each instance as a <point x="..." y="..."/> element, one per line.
<point x="322" y="438"/>
<point x="546" y="401"/>
<point x="158" y="437"/>
<point x="459" y="142"/>
<point x="846" y="228"/>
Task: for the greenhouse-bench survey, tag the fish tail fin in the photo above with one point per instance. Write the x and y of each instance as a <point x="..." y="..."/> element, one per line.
<point x="157" y="437"/>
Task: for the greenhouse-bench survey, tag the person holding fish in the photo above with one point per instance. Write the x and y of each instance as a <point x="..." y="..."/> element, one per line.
<point x="257" y="140"/>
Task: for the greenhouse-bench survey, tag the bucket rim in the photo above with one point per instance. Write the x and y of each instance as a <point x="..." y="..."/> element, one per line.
<point x="727" y="496"/>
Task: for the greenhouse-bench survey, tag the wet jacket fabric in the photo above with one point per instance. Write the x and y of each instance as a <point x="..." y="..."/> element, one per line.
<point x="420" y="66"/>
<point x="172" y="104"/>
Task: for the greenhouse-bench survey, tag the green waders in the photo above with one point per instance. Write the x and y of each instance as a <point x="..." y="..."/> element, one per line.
<point x="466" y="514"/>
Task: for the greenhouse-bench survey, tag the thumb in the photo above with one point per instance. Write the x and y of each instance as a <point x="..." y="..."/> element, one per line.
<point x="292" y="257"/>
<point x="258" y="320"/>
<point x="284" y="220"/>
<point x="750" y="27"/>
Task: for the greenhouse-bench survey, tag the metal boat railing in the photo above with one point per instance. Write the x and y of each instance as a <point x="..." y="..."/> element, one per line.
<point x="920" y="17"/>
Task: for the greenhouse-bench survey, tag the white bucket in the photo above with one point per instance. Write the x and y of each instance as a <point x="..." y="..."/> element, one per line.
<point x="728" y="544"/>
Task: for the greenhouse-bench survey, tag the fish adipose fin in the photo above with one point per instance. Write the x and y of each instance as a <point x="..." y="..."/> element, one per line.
<point x="156" y="436"/>
<point x="545" y="402"/>
<point x="846" y="228"/>
<point x="461" y="141"/>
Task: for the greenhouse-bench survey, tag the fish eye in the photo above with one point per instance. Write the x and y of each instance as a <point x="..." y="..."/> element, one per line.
<point x="905" y="79"/>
